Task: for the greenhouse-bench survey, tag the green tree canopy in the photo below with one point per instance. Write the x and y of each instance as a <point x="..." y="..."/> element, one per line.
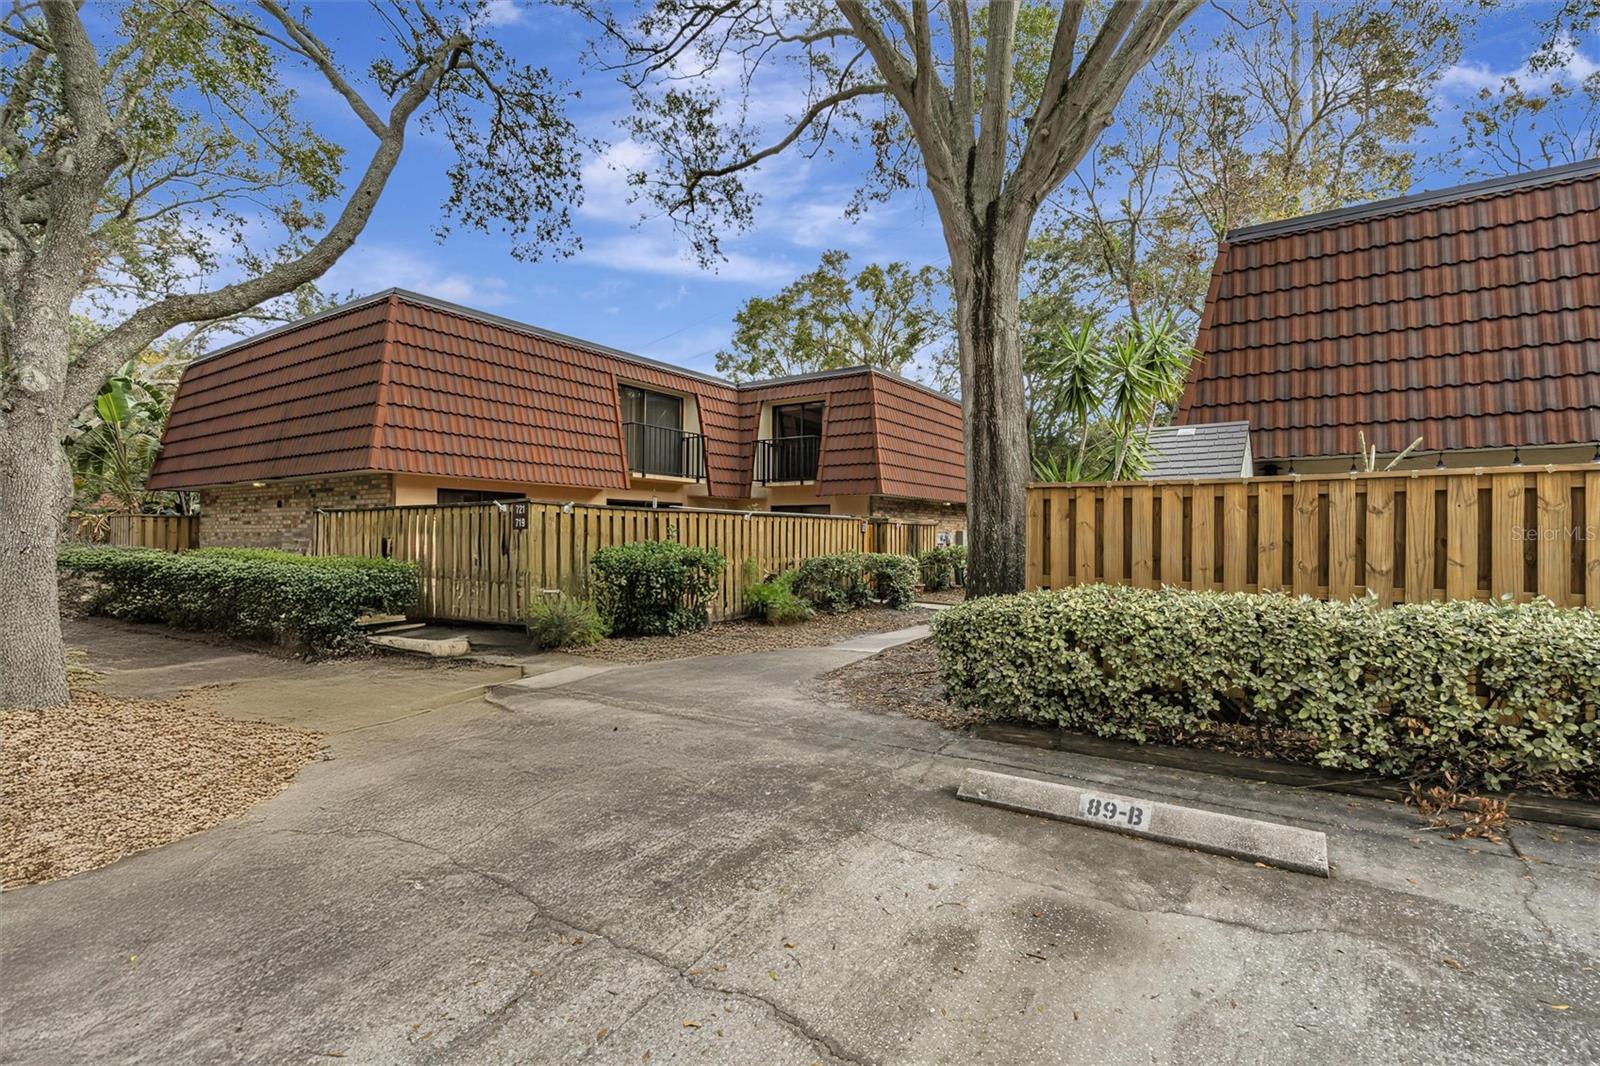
<point x="884" y="316"/>
<point x="159" y="169"/>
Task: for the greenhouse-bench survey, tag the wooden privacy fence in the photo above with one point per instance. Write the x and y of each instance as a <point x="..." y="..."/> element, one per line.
<point x="173" y="533"/>
<point x="486" y="562"/>
<point x="1403" y="536"/>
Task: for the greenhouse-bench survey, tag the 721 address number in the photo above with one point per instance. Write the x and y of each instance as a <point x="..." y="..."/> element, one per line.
<point x="1117" y="811"/>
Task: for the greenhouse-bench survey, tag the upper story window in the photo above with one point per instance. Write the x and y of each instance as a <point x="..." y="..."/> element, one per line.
<point x="793" y="450"/>
<point x="797" y="420"/>
<point x="652" y="428"/>
<point x="646" y="408"/>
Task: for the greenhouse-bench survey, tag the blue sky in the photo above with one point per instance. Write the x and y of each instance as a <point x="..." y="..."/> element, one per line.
<point x="633" y="285"/>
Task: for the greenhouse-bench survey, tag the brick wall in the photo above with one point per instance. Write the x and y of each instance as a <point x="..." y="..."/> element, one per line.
<point x="950" y="519"/>
<point x="278" y="515"/>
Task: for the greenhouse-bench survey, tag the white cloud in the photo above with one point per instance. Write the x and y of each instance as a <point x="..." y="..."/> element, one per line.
<point x="822" y="224"/>
<point x="664" y="254"/>
<point x="606" y="191"/>
<point x="1476" y="76"/>
<point x="372" y="267"/>
<point x="504" y="13"/>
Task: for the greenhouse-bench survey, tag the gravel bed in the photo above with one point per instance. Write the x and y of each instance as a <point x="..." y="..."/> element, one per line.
<point x="744" y="635"/>
<point x="945" y="596"/>
<point x="85" y="785"/>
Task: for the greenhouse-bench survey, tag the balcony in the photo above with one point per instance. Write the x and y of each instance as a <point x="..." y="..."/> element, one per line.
<point x="660" y="451"/>
<point x="780" y="459"/>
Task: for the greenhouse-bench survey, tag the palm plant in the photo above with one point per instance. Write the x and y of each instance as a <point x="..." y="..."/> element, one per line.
<point x="1148" y="366"/>
<point x="1079" y="370"/>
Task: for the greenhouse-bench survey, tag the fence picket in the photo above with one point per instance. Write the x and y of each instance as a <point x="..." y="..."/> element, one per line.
<point x="474" y="565"/>
<point x="1410" y="535"/>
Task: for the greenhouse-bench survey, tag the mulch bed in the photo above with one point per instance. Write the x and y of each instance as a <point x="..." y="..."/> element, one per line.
<point x="945" y="596"/>
<point x="903" y="680"/>
<point x="745" y="635"/>
<point x="85" y="785"/>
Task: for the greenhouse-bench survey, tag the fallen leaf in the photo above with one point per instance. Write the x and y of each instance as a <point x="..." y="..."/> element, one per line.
<point x="691" y="1025"/>
<point x="1452" y="963"/>
<point x="601" y="1035"/>
<point x="790" y="944"/>
<point x="1560" y="1006"/>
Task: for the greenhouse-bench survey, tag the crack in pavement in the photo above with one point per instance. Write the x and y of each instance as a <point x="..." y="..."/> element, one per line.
<point x="828" y="1045"/>
<point x="1531" y="882"/>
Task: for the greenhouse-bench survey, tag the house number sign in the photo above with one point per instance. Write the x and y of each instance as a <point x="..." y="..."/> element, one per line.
<point x="519" y="515"/>
<point x="1131" y="815"/>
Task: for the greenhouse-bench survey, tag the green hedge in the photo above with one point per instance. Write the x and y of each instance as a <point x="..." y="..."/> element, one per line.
<point x="943" y="568"/>
<point x="654" y="587"/>
<point x="843" y="582"/>
<point x="307" y="601"/>
<point x="1501" y="695"/>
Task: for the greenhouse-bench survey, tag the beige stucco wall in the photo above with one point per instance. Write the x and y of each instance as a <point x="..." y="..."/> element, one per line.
<point x="278" y="514"/>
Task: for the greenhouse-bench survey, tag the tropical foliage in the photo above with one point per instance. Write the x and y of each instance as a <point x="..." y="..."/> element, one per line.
<point x="1103" y="394"/>
<point x="114" y="445"/>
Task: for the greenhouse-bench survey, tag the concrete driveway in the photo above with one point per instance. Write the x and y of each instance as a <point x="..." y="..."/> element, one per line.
<point x="697" y="861"/>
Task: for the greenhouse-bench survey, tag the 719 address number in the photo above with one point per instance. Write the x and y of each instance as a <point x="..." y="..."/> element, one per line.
<point x="1116" y="810"/>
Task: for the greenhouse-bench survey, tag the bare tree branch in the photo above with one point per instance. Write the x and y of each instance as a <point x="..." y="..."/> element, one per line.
<point x="149" y="322"/>
<point x="815" y="111"/>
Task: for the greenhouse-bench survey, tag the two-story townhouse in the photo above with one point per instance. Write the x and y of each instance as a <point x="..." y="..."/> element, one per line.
<point x="401" y="399"/>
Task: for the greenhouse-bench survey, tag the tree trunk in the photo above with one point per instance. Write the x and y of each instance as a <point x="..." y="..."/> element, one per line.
<point x="34" y="494"/>
<point x="987" y="274"/>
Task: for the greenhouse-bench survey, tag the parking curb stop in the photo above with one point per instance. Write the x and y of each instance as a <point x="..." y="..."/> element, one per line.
<point x="1288" y="847"/>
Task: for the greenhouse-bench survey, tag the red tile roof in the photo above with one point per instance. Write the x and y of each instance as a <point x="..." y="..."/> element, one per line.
<point x="405" y="384"/>
<point x="1469" y="317"/>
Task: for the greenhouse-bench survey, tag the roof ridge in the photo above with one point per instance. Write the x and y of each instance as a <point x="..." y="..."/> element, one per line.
<point x="1566" y="172"/>
<point x="490" y="318"/>
<point x="380" y="403"/>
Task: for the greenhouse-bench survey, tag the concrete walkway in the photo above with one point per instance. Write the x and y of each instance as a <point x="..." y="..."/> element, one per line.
<point x="699" y="861"/>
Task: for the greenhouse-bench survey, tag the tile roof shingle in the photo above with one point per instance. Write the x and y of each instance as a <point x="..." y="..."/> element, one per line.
<point x="403" y="383"/>
<point x="1469" y="317"/>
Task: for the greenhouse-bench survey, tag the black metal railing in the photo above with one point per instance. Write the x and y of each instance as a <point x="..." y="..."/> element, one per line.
<point x="787" y="459"/>
<point x="665" y="452"/>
